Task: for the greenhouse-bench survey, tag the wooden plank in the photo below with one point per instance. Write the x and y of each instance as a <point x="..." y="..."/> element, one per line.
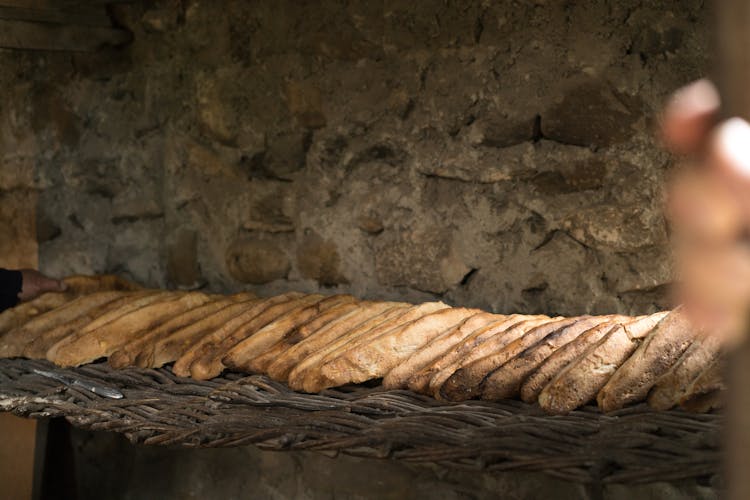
<point x="45" y="36"/>
<point x="84" y="17"/>
<point x="733" y="78"/>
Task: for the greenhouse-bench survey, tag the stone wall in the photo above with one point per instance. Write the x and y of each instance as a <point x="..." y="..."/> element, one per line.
<point x="492" y="154"/>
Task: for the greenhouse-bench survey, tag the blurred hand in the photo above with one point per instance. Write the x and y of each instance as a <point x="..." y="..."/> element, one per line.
<point x="709" y="208"/>
<point x="35" y="283"/>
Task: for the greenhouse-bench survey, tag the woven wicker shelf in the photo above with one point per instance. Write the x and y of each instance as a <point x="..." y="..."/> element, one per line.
<point x="633" y="445"/>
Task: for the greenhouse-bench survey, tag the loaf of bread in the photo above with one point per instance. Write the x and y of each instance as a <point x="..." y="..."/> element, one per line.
<point x="314" y="342"/>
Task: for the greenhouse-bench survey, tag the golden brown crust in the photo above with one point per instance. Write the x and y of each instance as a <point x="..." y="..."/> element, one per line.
<point x="506" y="382"/>
<point x="314" y="376"/>
<point x="209" y="361"/>
<point x="140" y="351"/>
<point x="708" y="391"/>
<point x="15" y="341"/>
<point x="173" y="346"/>
<point x="311" y="342"/>
<point x="102" y="341"/>
<point x="18" y="316"/>
<point x="400" y="375"/>
<point x="568" y="353"/>
<point x="320" y="345"/>
<point x="210" y="339"/>
<point x="653" y="358"/>
<point x="473" y="350"/>
<point x="38" y="347"/>
<point x="673" y="385"/>
<point x="579" y="382"/>
<point x="243" y="355"/>
<point x="81" y="285"/>
<point x="262" y="363"/>
<point x="420" y="380"/>
<point x="465" y="383"/>
<point x="377" y="354"/>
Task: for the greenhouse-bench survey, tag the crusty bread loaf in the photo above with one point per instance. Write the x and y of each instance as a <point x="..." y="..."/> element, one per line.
<point x="400" y="375"/>
<point x="708" y="391"/>
<point x="81" y="285"/>
<point x="316" y="379"/>
<point x="262" y="363"/>
<point x="466" y="381"/>
<point x="173" y="346"/>
<point x="380" y="354"/>
<point x="670" y="389"/>
<point x="568" y="353"/>
<point x="653" y="358"/>
<point x="15" y="341"/>
<point x="481" y="344"/>
<point x="210" y="361"/>
<point x="319" y="346"/>
<point x="506" y="382"/>
<point x="241" y="356"/>
<point x="16" y="317"/>
<point x="212" y="337"/>
<point x="420" y="380"/>
<point x="314" y="342"/>
<point x="140" y="351"/>
<point x="579" y="382"/>
<point x="308" y="342"/>
<point x="104" y="340"/>
<point x="38" y="347"/>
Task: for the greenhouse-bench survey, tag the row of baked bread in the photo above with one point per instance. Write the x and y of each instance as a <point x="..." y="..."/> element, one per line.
<point x="314" y="342"/>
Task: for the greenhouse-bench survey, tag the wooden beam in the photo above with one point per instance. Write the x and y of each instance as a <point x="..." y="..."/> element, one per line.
<point x="46" y="36"/>
<point x="732" y="73"/>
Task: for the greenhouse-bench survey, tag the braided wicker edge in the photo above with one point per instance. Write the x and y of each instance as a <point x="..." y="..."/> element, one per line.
<point x="635" y="445"/>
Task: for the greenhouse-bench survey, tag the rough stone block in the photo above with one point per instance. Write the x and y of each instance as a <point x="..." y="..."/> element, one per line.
<point x="319" y="259"/>
<point x="256" y="261"/>
<point x="183" y="269"/>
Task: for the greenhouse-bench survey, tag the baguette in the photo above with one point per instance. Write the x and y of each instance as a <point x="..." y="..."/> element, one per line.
<point x="263" y="362"/>
<point x="673" y="386"/>
<point x="480" y="347"/>
<point x="102" y="341"/>
<point x="75" y="287"/>
<point x="653" y="358"/>
<point x="140" y="351"/>
<point x="15" y="341"/>
<point x="38" y="347"/>
<point x="708" y="391"/>
<point x="170" y="347"/>
<point x="420" y="380"/>
<point x="506" y="382"/>
<point x="18" y="316"/>
<point x="81" y="285"/>
<point x="568" y="353"/>
<point x="580" y="381"/>
<point x="243" y="355"/>
<point x="319" y="346"/>
<point x="314" y="377"/>
<point x="400" y="375"/>
<point x="465" y="383"/>
<point x="307" y="342"/>
<point x="204" y="360"/>
<point x="376" y="355"/>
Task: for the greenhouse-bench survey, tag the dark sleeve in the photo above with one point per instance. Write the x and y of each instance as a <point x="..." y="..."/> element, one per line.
<point x="10" y="287"/>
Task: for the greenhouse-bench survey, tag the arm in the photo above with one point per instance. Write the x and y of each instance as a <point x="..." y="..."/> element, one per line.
<point x="709" y="206"/>
<point x="10" y="286"/>
<point x="23" y="285"/>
